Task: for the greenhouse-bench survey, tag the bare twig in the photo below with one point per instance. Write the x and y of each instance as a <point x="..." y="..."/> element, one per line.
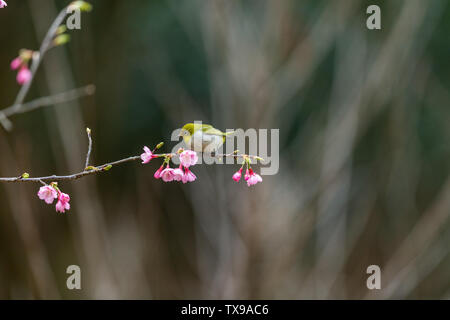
<point x="4" y="121"/>
<point x="96" y="169"/>
<point x="236" y="155"/>
<point x="49" y="100"/>
<point x="88" y="131"/>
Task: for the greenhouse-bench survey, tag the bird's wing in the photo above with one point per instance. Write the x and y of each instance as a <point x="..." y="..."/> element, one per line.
<point x="205" y="127"/>
<point x="212" y="131"/>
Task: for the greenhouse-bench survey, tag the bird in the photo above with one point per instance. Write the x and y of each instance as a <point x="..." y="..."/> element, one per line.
<point x="203" y="137"/>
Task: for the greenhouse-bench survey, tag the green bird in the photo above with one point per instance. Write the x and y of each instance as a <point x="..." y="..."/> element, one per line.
<point x="203" y="137"/>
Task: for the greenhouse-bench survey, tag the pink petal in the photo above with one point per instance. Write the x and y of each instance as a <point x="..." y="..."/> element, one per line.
<point x="237" y="175"/>
<point x="188" y="158"/>
<point x="23" y="76"/>
<point x="167" y="175"/>
<point x="157" y="174"/>
<point x="15" y="64"/>
<point x="177" y="174"/>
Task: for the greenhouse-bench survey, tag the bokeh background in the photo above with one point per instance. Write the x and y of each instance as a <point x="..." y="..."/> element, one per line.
<point x="364" y="147"/>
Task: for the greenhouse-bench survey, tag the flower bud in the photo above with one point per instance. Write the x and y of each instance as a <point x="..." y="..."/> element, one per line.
<point x="81" y="5"/>
<point x="24" y="75"/>
<point x="61" y="29"/>
<point x="61" y="39"/>
<point x="15" y="64"/>
<point x="25" y="54"/>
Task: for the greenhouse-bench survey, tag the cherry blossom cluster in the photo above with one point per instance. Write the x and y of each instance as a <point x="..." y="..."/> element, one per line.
<point x="3" y="4"/>
<point x="250" y="176"/>
<point x="49" y="193"/>
<point x="187" y="158"/>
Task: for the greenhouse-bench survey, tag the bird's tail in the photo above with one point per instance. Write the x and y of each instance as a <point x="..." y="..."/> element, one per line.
<point x="229" y="133"/>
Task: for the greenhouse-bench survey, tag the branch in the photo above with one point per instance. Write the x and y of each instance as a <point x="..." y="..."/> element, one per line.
<point x="89" y="170"/>
<point x="49" y="192"/>
<point x="92" y="170"/>
<point x="49" y="100"/>
<point x="19" y="106"/>
<point x="235" y="154"/>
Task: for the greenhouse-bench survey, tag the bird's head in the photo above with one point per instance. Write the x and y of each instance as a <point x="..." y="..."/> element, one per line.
<point x="186" y="132"/>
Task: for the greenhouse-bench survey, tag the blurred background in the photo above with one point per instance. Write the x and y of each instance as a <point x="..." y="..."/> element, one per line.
<point x="364" y="148"/>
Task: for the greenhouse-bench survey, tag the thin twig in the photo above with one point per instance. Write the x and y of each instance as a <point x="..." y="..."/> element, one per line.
<point x="242" y="155"/>
<point x="97" y="169"/>
<point x="5" y="122"/>
<point x="88" y="131"/>
<point x="49" y="100"/>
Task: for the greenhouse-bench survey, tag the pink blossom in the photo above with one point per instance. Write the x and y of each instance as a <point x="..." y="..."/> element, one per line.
<point x="63" y="202"/>
<point x="23" y="76"/>
<point x="2" y="4"/>
<point x="188" y="176"/>
<point x="178" y="174"/>
<point x="237" y="175"/>
<point x="253" y="178"/>
<point x="147" y="155"/>
<point x="15" y="64"/>
<point x="247" y="175"/>
<point x="48" y="194"/>
<point x="167" y="174"/>
<point x="157" y="174"/>
<point x="188" y="158"/>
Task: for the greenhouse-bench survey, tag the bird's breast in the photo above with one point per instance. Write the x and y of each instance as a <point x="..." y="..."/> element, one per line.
<point x="201" y="141"/>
